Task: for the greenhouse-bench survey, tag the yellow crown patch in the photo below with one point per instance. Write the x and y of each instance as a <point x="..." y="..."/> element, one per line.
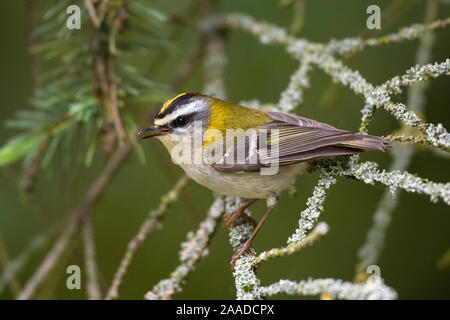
<point x="168" y="102"/>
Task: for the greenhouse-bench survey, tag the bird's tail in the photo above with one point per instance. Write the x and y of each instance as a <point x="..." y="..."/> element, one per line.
<point x="367" y="142"/>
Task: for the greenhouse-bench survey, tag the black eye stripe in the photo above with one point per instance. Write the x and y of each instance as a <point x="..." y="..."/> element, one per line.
<point x="175" y="103"/>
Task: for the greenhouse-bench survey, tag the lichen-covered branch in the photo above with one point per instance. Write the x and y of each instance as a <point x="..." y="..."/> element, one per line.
<point x="352" y="45"/>
<point x="292" y="97"/>
<point x="369" y="252"/>
<point x="436" y="135"/>
<point x="406" y="139"/>
<point x="107" y="80"/>
<point x="318" y="55"/>
<point x="151" y="223"/>
<point x="271" y="34"/>
<point x="402" y="154"/>
<point x="375" y="97"/>
<point x="319" y="230"/>
<point x="192" y="251"/>
<point x="369" y="173"/>
<point x="323" y="56"/>
<point x="309" y="216"/>
<point x="246" y="282"/>
<point x="338" y="289"/>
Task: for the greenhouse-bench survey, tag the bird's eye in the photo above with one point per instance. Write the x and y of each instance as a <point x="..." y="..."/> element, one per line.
<point x="180" y="122"/>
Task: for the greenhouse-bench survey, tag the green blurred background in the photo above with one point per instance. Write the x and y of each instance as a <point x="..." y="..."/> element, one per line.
<point x="417" y="238"/>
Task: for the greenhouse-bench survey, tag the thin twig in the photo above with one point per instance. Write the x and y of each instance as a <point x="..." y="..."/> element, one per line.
<point x="151" y="223"/>
<point x="74" y="220"/>
<point x="50" y="259"/>
<point x="7" y="277"/>
<point x="113" y="99"/>
<point x="320" y="230"/>
<point x="115" y="161"/>
<point x="93" y="287"/>
<point x="28" y="177"/>
<point x="92" y="13"/>
<point x="32" y="12"/>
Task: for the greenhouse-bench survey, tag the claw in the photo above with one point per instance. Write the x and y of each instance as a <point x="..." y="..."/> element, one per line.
<point x="243" y="248"/>
<point x="229" y="218"/>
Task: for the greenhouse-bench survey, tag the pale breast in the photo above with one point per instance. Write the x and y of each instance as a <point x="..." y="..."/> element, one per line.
<point x="250" y="185"/>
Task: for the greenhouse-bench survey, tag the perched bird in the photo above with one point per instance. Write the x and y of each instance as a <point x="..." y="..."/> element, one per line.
<point x="202" y="133"/>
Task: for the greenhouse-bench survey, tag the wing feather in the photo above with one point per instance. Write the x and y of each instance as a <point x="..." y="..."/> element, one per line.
<point x="294" y="139"/>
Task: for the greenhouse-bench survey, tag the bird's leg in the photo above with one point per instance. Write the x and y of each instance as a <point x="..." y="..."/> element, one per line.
<point x="244" y="248"/>
<point x="229" y="218"/>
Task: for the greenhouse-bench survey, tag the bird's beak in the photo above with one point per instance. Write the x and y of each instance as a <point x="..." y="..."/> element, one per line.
<point x="153" y="132"/>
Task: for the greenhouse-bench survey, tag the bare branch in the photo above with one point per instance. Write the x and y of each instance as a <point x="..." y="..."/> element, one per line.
<point x="93" y="287"/>
<point x="92" y="13"/>
<point x="113" y="99"/>
<point x="74" y="220"/>
<point x="50" y="259"/>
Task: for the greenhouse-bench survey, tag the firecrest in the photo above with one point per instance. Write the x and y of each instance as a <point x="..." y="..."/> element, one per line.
<point x="243" y="152"/>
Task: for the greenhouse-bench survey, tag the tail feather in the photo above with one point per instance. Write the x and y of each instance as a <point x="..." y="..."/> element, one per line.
<point x="367" y="142"/>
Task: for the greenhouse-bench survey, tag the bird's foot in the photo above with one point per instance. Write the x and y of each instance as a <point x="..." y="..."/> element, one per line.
<point x="243" y="248"/>
<point x="229" y="218"/>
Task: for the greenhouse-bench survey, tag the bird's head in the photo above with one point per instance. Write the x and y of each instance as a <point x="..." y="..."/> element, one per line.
<point x="191" y="114"/>
<point x="179" y="115"/>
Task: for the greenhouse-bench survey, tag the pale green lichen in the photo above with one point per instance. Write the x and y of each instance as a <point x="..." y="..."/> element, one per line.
<point x="245" y="279"/>
<point x="320" y="230"/>
<point x="322" y="56"/>
<point x="369" y="173"/>
<point x="192" y="250"/>
<point x="402" y="155"/>
<point x="292" y="97"/>
<point x="350" y="46"/>
<point x="373" y="289"/>
<point x="369" y="252"/>
<point x="246" y="282"/>
<point x="309" y="216"/>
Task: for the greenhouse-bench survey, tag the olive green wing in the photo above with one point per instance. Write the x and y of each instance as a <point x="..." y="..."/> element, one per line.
<point x="288" y="139"/>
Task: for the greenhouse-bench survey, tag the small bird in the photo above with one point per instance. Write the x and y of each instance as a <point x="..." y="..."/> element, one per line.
<point x="192" y="125"/>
